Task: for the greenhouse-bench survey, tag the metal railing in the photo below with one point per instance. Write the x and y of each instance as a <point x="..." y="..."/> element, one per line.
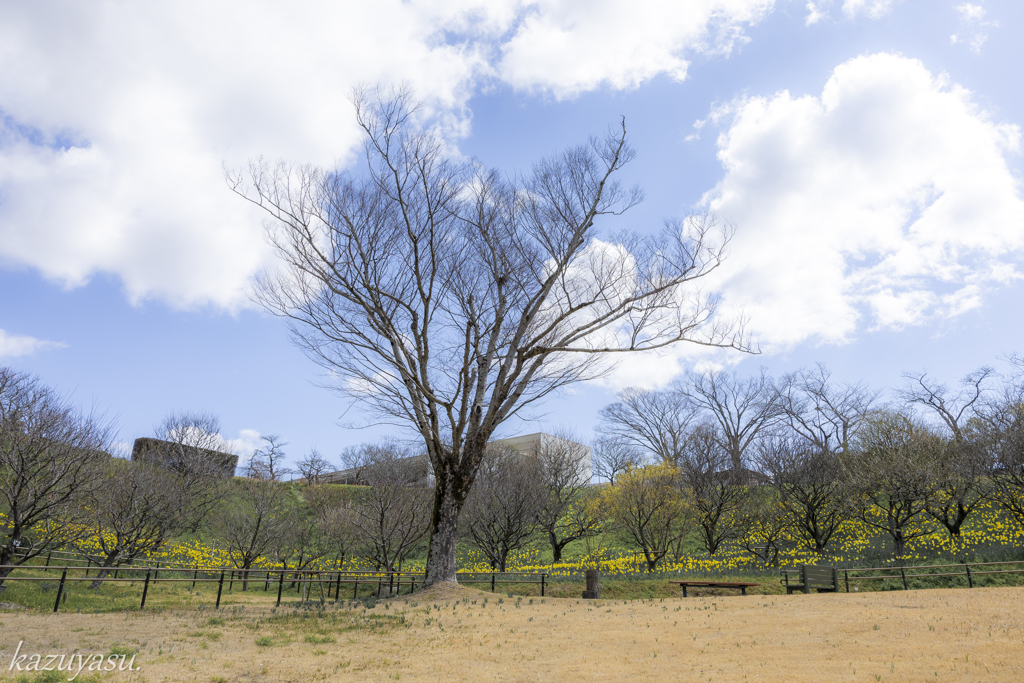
<point x="304" y="580"/>
<point x="968" y="570"/>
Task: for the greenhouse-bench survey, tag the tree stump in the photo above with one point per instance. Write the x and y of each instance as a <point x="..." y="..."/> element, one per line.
<point x="593" y="586"/>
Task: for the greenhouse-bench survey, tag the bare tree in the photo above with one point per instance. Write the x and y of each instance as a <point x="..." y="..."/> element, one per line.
<point x="313" y="467"/>
<point x="809" y="482"/>
<point x="448" y="297"/>
<point x="50" y="454"/>
<point x="610" y="456"/>
<point x="892" y="469"/>
<point x="764" y="525"/>
<point x="254" y="520"/>
<point x="565" y="472"/>
<point x="135" y="509"/>
<point x="390" y="517"/>
<point x="1003" y="436"/>
<point x="504" y="507"/>
<point x="649" y="508"/>
<point x="715" y="484"/>
<point x="304" y="540"/>
<point x="742" y="408"/>
<point x="193" y="448"/>
<point x="962" y="471"/>
<point x="822" y="412"/>
<point x="655" y="421"/>
<point x="267" y="461"/>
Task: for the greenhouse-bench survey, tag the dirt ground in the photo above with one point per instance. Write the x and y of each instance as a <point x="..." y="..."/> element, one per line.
<point x="454" y="635"/>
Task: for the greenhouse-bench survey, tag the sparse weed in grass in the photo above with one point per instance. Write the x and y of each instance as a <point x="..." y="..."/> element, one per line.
<point x="264" y="641"/>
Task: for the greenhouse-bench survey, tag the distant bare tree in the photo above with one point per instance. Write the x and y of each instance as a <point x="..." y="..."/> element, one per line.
<point x="304" y="540"/>
<point x="504" y="507"/>
<point x="50" y="456"/>
<point x="313" y="467"/>
<point x="715" y="483"/>
<point x="742" y="408"/>
<point x="610" y="456"/>
<point x="649" y="508"/>
<point x="565" y="475"/>
<point x="809" y="483"/>
<point x="389" y="517"/>
<point x="655" y="421"/>
<point x="447" y="298"/>
<point x="824" y="413"/>
<point x="892" y="469"/>
<point x="267" y="461"/>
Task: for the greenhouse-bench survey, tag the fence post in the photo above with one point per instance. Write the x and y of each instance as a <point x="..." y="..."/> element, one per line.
<point x="60" y="589"/>
<point x="48" y="561"/>
<point x="970" y="581"/>
<point x="266" y="583"/>
<point x="337" y="588"/>
<point x="803" y="579"/>
<point x="156" y="574"/>
<point x="280" y="587"/>
<point x="194" y="575"/>
<point x="543" y="578"/>
<point x="492" y="582"/>
<point x="220" y="587"/>
<point x="355" y="590"/>
<point x="903" y="573"/>
<point x="231" y="583"/>
<point x="846" y="573"/>
<point x="145" y="589"/>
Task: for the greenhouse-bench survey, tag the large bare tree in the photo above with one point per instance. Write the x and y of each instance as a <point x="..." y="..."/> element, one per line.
<point x="50" y="458"/>
<point x="655" y="421"/>
<point x="448" y="297"/>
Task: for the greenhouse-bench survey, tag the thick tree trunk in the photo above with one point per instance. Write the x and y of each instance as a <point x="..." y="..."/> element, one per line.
<point x="449" y="496"/>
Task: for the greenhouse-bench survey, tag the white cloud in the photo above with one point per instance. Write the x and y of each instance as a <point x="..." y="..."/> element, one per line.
<point x="13" y="345"/>
<point x="873" y="9"/>
<point x="885" y="201"/>
<point x="972" y="19"/>
<point x="243" y="446"/>
<point x="116" y="119"/>
<point x="569" y="46"/>
<point x="817" y="10"/>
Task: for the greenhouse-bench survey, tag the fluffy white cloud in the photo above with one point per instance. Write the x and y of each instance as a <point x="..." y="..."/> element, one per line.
<point x="885" y="201"/>
<point x="12" y="345"/>
<point x="569" y="46"/>
<point x="116" y="119"/>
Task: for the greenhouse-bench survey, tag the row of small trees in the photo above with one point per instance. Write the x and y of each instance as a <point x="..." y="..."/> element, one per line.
<point x="759" y="461"/>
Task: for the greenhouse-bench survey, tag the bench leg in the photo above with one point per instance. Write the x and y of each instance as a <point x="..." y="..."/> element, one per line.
<point x="743" y="590"/>
<point x="684" y="591"/>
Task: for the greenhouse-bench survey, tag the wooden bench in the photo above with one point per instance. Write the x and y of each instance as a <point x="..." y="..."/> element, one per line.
<point x="715" y="584"/>
<point x="811" y="577"/>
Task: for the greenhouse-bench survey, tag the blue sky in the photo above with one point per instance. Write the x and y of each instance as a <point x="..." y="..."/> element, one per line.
<point x="868" y="153"/>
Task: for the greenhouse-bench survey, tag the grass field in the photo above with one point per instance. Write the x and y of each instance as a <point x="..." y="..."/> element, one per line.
<point x="461" y="634"/>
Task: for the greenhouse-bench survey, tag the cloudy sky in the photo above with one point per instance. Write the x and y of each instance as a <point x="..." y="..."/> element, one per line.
<point x="868" y="153"/>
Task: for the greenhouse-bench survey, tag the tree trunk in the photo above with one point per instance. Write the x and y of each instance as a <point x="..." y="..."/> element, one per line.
<point x="108" y="563"/>
<point x="449" y="496"/>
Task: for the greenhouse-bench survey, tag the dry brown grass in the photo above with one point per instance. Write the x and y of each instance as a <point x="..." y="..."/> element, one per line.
<point x="450" y="634"/>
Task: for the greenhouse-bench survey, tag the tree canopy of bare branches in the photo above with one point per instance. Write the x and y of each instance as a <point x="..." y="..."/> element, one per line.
<point x="611" y="456"/>
<point x="716" y="486"/>
<point x="313" y="467"/>
<point x="389" y="517"/>
<point x="655" y="421"/>
<point x="50" y="455"/>
<point x="505" y="505"/>
<point x="742" y="408"/>
<point x="448" y="297"/>
<point x="565" y="476"/>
